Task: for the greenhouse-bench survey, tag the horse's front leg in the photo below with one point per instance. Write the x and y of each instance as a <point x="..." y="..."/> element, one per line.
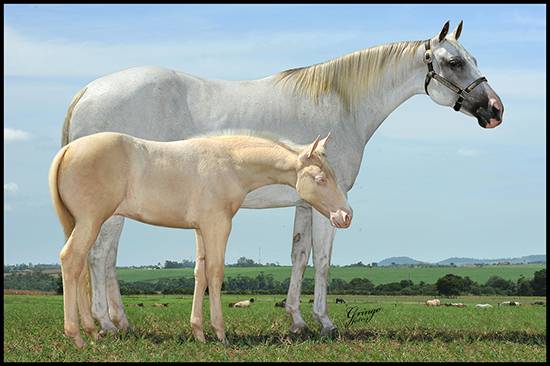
<point x="301" y="247"/>
<point x="323" y="236"/>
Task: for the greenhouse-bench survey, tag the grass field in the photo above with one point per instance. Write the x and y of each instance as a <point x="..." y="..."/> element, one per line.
<point x="403" y="330"/>
<point x="377" y="275"/>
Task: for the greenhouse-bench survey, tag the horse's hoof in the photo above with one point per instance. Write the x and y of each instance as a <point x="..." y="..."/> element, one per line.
<point x="299" y="328"/>
<point x="331" y="332"/>
<point x="225" y="342"/>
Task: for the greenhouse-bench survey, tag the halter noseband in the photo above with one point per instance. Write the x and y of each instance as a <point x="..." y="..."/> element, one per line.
<point x="462" y="93"/>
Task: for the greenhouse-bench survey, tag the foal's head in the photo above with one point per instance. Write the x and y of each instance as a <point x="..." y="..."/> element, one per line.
<point x="316" y="184"/>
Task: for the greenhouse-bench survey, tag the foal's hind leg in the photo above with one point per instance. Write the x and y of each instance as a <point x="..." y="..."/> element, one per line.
<point x="73" y="258"/>
<point x="84" y="305"/>
<point x="215" y="240"/>
<point x="200" y="286"/>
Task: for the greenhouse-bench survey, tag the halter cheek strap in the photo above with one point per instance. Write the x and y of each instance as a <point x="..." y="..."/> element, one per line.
<point x="462" y="93"/>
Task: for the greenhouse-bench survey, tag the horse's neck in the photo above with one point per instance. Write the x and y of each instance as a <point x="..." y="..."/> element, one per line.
<point x="397" y="85"/>
<point x="260" y="165"/>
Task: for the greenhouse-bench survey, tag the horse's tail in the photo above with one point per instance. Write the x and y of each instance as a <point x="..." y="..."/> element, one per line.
<point x="65" y="217"/>
<point x="69" y="115"/>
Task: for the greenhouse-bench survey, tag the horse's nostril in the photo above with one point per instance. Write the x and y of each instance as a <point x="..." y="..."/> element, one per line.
<point x="496" y="111"/>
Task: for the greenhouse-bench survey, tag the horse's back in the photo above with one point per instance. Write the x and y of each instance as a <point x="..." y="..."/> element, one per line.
<point x="147" y="102"/>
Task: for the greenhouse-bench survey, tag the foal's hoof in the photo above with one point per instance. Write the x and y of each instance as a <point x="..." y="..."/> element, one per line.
<point x="199" y="336"/>
<point x="331" y="332"/>
<point x="79" y="342"/>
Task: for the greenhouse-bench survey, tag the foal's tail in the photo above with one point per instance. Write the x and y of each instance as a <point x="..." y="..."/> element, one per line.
<point x="65" y="217"/>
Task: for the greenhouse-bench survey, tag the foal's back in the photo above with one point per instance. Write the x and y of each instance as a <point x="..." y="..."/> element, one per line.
<point x="174" y="184"/>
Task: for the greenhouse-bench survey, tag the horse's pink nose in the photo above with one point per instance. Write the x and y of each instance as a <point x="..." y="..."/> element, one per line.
<point x="496" y="108"/>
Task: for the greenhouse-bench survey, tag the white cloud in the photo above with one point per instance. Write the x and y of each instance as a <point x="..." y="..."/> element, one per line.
<point x="252" y="53"/>
<point x="11" y="187"/>
<point x="12" y="135"/>
<point x="468" y="152"/>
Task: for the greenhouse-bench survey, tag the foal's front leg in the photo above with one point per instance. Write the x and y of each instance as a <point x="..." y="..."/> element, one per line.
<point x="200" y="287"/>
<point x="215" y="236"/>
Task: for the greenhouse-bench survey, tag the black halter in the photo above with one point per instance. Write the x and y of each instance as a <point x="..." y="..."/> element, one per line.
<point x="462" y="93"/>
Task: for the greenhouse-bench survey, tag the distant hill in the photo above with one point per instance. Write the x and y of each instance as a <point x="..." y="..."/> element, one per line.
<point x="465" y="261"/>
<point x="398" y="261"/>
<point x="457" y="261"/>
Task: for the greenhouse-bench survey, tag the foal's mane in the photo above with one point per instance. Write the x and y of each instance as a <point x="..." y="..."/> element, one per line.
<point x="350" y="76"/>
<point x="277" y="140"/>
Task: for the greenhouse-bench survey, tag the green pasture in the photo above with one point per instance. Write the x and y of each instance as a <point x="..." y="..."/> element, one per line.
<point x="402" y="330"/>
<point x="377" y="275"/>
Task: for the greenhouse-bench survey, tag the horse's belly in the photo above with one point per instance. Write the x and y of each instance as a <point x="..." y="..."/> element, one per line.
<point x="271" y="196"/>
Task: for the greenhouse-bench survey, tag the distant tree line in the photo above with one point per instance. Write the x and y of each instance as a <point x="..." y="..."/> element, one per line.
<point x="448" y="285"/>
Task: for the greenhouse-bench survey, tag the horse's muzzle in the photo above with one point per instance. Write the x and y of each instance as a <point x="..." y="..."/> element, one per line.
<point x="492" y="116"/>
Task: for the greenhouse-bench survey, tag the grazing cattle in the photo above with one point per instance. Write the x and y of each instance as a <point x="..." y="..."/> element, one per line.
<point x="458" y="305"/>
<point x="157" y="305"/>
<point x="340" y="301"/>
<point x="280" y="304"/>
<point x="538" y="303"/>
<point x="241" y="304"/>
<point x="484" y="306"/>
<point x="140" y="305"/>
<point x="433" y="302"/>
<point x="509" y="303"/>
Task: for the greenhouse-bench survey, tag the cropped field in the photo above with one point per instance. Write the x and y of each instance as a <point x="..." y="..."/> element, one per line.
<point x="403" y="330"/>
<point x="377" y="275"/>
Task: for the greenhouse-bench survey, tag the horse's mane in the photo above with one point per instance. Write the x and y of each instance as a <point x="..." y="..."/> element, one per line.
<point x="350" y="76"/>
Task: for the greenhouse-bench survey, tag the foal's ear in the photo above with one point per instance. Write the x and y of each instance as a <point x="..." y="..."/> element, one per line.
<point x="324" y="141"/>
<point x="313" y="147"/>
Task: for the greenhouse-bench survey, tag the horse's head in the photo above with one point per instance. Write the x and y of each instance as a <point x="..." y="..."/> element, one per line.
<point x="317" y="185"/>
<point x="468" y="91"/>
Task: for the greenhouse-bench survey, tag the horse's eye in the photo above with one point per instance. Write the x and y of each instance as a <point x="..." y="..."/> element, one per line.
<point x="455" y="63"/>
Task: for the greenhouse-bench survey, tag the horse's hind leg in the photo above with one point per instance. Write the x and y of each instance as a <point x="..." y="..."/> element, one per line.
<point x="114" y="298"/>
<point x="73" y="259"/>
<point x="104" y="248"/>
<point x="84" y="306"/>
<point x="200" y="286"/>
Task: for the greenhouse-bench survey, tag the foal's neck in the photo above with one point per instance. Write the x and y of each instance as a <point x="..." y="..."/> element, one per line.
<point x="264" y="162"/>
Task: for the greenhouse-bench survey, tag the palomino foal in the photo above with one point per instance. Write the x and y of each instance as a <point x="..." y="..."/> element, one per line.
<point x="197" y="183"/>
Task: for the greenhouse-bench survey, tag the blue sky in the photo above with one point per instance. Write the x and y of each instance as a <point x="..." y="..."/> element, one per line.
<point x="433" y="184"/>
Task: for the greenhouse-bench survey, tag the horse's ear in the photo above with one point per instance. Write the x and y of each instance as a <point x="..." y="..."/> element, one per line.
<point x="457" y="31"/>
<point x="443" y="32"/>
